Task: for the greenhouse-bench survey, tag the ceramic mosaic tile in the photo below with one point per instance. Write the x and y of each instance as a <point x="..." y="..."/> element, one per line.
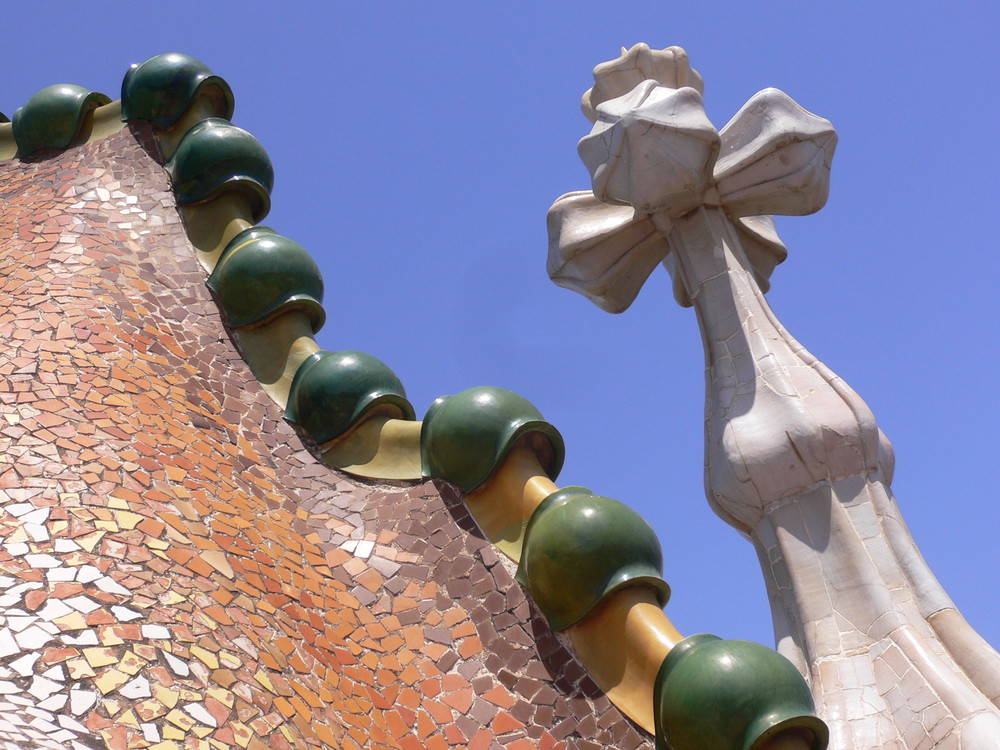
<point x="176" y="570"/>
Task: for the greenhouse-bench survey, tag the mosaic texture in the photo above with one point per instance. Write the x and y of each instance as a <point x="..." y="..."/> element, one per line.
<point x="176" y="569"/>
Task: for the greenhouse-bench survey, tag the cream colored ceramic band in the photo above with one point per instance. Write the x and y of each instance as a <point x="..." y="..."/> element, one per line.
<point x="275" y="350"/>
<point x="503" y="505"/>
<point x="202" y="108"/>
<point x="630" y="618"/>
<point x="102" y="122"/>
<point x="8" y="146"/>
<point x="211" y="225"/>
<point x="98" y="123"/>
<point x="377" y="448"/>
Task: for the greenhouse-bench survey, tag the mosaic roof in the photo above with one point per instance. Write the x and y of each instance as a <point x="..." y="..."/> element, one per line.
<point x="183" y="564"/>
<point x="177" y="571"/>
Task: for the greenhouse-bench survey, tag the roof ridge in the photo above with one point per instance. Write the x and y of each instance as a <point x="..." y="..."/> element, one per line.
<point x="593" y="566"/>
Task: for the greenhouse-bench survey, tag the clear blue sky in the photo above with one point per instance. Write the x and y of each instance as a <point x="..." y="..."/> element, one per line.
<point x="417" y="147"/>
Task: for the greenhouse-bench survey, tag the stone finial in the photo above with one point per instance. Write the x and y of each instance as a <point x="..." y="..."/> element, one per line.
<point x="794" y="458"/>
<point x="775" y="158"/>
<point x="653" y="149"/>
<point x="669" y="67"/>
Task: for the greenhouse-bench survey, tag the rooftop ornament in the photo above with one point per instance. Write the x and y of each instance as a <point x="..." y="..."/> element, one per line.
<point x="794" y="458"/>
<point x="55" y="117"/>
<point x="216" y="157"/>
<point x="581" y="548"/>
<point x="333" y="391"/>
<point x="263" y="274"/>
<point x="162" y="89"/>
<point x="466" y="437"/>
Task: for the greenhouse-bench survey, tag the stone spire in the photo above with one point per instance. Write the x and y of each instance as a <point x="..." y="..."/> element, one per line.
<point x="794" y="458"/>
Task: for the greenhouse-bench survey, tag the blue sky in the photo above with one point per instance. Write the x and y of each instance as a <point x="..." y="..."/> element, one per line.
<point x="418" y="146"/>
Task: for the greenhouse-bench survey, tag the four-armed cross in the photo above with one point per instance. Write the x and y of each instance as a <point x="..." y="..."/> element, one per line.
<point x="794" y="458"/>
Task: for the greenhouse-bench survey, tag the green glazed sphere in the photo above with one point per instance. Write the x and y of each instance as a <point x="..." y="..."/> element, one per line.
<point x="332" y="391"/>
<point x="216" y="156"/>
<point x="730" y="695"/>
<point x="466" y="437"/>
<point x="262" y="274"/>
<point x="580" y="548"/>
<point x="54" y="117"/>
<point x="161" y="89"/>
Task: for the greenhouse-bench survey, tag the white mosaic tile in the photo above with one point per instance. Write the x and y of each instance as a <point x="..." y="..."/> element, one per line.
<point x="124" y="614"/>
<point x="55" y="702"/>
<point x="81" y="700"/>
<point x="81" y="638"/>
<point x="42" y="561"/>
<point x="53" y="609"/>
<point x="42" y="687"/>
<point x="178" y="666"/>
<point x="137" y="688"/>
<point x="8" y="645"/>
<point x="109" y="585"/>
<point x="82" y="603"/>
<point x="68" y="722"/>
<point x="32" y="638"/>
<point x="150" y="733"/>
<point x="61" y="574"/>
<point x="19" y="509"/>
<point x="87" y="573"/>
<point x="38" y="516"/>
<point x="18" y="623"/>
<point x="156" y="632"/>
<point x="55" y="673"/>
<point x="200" y="714"/>
<point x="25" y="665"/>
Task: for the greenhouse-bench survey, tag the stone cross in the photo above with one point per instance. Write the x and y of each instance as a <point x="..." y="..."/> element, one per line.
<point x="794" y="457"/>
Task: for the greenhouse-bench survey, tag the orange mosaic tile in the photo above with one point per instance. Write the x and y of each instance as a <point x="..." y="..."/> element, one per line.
<point x="176" y="569"/>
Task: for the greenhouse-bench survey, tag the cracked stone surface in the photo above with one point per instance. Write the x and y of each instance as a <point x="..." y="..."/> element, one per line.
<point x="796" y="462"/>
